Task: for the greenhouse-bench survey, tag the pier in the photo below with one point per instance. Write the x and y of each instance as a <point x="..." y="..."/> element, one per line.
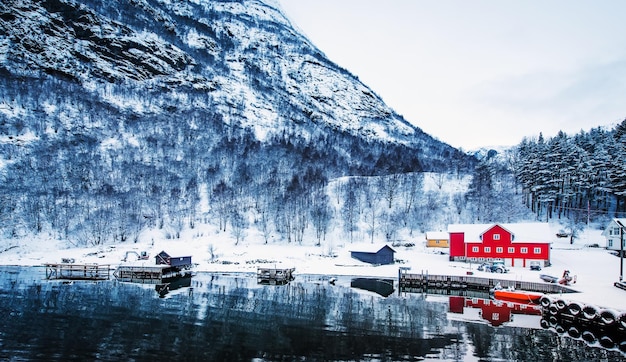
<point x="411" y="282"/>
<point x="273" y="276"/>
<point x="77" y="271"/>
<point x="148" y="274"/>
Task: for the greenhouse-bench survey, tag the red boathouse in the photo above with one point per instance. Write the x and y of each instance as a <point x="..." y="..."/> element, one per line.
<point x="515" y="244"/>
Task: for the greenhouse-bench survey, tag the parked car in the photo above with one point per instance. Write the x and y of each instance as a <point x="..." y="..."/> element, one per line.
<point x="535" y="265"/>
<point x="499" y="267"/>
<point x="495" y="267"/>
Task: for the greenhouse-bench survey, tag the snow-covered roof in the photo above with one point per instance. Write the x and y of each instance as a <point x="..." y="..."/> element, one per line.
<point x="368" y="247"/>
<point x="437" y="235"/>
<point x="614" y="222"/>
<point x="536" y="232"/>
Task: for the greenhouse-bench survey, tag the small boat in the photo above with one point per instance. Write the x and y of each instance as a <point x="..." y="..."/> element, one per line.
<point x="548" y="278"/>
<point x="517" y="295"/>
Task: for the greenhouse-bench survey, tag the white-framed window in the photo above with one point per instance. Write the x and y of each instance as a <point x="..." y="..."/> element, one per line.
<point x="499" y="250"/>
<point x="511" y="250"/>
<point x="524" y="250"/>
<point x="496" y="236"/>
<point x="610" y="243"/>
<point x="487" y="249"/>
<point x="537" y="250"/>
<point x="475" y="249"/>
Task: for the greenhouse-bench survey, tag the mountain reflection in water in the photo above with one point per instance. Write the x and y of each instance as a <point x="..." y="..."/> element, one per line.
<point x="231" y="318"/>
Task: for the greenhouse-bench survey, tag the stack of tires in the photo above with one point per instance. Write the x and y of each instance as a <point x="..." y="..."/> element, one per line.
<point x="596" y="326"/>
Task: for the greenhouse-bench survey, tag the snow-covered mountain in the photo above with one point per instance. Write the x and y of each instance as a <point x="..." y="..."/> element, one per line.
<point x="158" y="106"/>
<point x="244" y="56"/>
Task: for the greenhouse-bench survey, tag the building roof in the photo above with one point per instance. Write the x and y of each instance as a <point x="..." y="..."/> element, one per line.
<point x="437" y="235"/>
<point x="533" y="232"/>
<point x="368" y="248"/>
<point x="614" y="222"/>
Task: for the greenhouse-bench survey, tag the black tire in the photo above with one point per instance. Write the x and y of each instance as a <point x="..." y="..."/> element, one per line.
<point x="559" y="329"/>
<point x="608" y="317"/>
<point x="606" y="342"/>
<point x="588" y="337"/>
<point x="574" y="308"/>
<point x="553" y="322"/>
<point x="573" y="332"/>
<point x="553" y="309"/>
<point x="590" y="312"/>
<point x="622" y="322"/>
<point x="545" y="301"/>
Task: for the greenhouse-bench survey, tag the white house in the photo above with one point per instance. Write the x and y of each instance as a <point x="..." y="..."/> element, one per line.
<point x="613" y="233"/>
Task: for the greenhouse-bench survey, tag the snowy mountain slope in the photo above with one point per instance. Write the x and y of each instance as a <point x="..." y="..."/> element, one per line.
<point x="246" y="54"/>
<point x="123" y="114"/>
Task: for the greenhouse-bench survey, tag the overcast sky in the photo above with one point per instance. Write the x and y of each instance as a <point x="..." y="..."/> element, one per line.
<point x="480" y="73"/>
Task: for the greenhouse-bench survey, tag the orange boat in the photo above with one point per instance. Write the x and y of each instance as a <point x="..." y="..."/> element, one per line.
<point x="517" y="295"/>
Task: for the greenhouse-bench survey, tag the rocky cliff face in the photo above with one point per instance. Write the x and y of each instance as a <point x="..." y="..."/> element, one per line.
<point x="244" y="55"/>
<point x="156" y="103"/>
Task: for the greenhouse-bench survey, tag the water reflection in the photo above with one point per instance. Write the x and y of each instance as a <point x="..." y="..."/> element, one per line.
<point x="172" y="284"/>
<point x="232" y="318"/>
<point x="496" y="312"/>
<point x="593" y="334"/>
<point x="383" y="287"/>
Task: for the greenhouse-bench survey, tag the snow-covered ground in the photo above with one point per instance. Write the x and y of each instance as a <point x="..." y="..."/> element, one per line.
<point x="596" y="269"/>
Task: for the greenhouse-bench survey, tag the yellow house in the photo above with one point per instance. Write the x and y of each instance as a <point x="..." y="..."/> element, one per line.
<point x="437" y="239"/>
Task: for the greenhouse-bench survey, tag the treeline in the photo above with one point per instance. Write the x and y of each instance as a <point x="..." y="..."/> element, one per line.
<point x="84" y="170"/>
<point x="574" y="177"/>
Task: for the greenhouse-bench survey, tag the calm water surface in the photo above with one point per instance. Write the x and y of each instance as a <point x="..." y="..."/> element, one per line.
<point x="219" y="317"/>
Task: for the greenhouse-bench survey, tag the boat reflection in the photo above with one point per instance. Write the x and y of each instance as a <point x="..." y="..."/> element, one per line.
<point x="495" y="312"/>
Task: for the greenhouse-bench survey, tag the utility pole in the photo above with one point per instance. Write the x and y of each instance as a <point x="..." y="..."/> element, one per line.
<point x="621" y="250"/>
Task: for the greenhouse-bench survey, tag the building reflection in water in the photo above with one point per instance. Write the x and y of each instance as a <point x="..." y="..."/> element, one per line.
<point x="495" y="312"/>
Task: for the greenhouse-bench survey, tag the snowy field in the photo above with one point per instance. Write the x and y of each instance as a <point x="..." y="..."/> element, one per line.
<point x="596" y="269"/>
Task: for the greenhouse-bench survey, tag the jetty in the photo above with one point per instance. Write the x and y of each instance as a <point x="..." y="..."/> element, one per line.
<point x="77" y="271"/>
<point x="417" y="282"/>
<point x="274" y="276"/>
<point x="165" y="268"/>
<point x="148" y="274"/>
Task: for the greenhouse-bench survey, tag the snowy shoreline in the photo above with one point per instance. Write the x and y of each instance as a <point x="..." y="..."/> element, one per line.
<point x="596" y="269"/>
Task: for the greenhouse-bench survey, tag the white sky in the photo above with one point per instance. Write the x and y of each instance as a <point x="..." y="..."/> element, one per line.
<point x="480" y="73"/>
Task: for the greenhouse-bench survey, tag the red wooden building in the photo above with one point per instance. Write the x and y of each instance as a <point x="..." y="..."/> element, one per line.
<point x="515" y="244"/>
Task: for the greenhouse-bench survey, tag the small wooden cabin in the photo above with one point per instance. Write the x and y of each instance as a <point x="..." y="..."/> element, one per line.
<point x="374" y="254"/>
<point x="164" y="258"/>
<point x="437" y="239"/>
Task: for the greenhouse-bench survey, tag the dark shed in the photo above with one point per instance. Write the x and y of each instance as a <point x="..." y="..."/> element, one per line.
<point x="379" y="256"/>
<point x="180" y="260"/>
<point x="164" y="258"/>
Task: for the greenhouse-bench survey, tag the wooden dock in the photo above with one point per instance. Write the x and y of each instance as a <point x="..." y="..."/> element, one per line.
<point x="274" y="276"/>
<point x="148" y="274"/>
<point x="78" y="271"/>
<point x="409" y="282"/>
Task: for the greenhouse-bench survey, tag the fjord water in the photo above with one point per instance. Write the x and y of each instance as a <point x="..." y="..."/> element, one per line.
<point x="221" y="317"/>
